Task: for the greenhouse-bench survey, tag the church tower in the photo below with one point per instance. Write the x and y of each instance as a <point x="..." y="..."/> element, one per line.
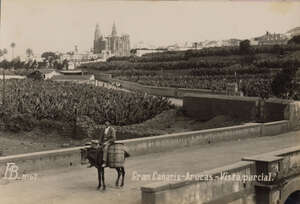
<point x="113" y="44"/>
<point x="114" y="40"/>
<point x="99" y="41"/>
<point x="97" y="32"/>
<point x="114" y="30"/>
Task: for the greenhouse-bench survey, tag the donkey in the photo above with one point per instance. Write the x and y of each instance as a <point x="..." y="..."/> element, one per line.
<point x="95" y="158"/>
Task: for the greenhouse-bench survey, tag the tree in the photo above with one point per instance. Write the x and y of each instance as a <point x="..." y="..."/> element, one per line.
<point x="284" y="84"/>
<point x="294" y="40"/>
<point x="65" y="64"/>
<point x="12" y="45"/>
<point x="49" y="56"/>
<point x="3" y="52"/>
<point x="17" y="63"/>
<point x="4" y="64"/>
<point x="245" y="47"/>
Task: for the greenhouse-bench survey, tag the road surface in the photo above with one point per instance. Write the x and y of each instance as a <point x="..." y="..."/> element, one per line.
<point x="78" y="184"/>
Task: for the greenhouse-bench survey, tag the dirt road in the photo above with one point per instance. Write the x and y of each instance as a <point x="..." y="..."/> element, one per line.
<point x="78" y="185"/>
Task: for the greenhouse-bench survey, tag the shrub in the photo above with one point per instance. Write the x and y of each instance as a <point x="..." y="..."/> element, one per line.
<point x="244" y="47"/>
<point x="295" y="40"/>
<point x="21" y="122"/>
<point x="50" y="125"/>
<point x="284" y="84"/>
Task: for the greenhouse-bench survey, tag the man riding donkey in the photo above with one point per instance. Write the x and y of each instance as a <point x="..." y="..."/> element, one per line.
<point x="106" y="140"/>
<point x="109" y="153"/>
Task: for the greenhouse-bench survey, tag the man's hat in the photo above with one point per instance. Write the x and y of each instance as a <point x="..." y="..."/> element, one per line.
<point x="88" y="143"/>
<point x="95" y="143"/>
<point x="107" y="123"/>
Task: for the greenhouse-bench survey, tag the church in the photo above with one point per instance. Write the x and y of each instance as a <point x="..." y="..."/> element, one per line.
<point x="113" y="45"/>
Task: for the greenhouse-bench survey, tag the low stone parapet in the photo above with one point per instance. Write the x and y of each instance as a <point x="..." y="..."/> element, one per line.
<point x="263" y="179"/>
<point x="275" y="128"/>
<point x="71" y="156"/>
<point x="178" y="140"/>
<point x="220" y="185"/>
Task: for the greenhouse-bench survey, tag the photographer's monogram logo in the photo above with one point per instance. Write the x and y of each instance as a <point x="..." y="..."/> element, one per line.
<point x="11" y="171"/>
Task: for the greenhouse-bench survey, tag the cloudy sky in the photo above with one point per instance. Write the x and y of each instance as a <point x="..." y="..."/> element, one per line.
<point x="59" y="25"/>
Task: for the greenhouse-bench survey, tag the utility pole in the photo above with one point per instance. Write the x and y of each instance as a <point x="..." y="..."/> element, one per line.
<point x="3" y="91"/>
<point x="0" y="11"/>
<point x="3" y="72"/>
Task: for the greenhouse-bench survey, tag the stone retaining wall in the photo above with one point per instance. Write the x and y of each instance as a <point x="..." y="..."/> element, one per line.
<point x="263" y="179"/>
<point x="210" y="187"/>
<point x="71" y="156"/>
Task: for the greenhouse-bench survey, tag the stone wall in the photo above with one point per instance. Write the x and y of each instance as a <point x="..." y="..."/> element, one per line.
<point x="274" y="109"/>
<point x="178" y="140"/>
<point x="154" y="90"/>
<point x="284" y="168"/>
<point x="292" y="113"/>
<point x="262" y="179"/>
<point x="210" y="103"/>
<point x="71" y="156"/>
<point x="213" y="187"/>
<point x="103" y="77"/>
<point x="204" y="104"/>
<point x="205" y="107"/>
<point x="275" y="128"/>
<point x="37" y="161"/>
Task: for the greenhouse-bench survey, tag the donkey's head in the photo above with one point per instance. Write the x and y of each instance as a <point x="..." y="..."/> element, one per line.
<point x="84" y="154"/>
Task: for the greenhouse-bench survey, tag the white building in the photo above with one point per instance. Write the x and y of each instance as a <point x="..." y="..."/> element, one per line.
<point x="272" y="39"/>
<point x="142" y="51"/>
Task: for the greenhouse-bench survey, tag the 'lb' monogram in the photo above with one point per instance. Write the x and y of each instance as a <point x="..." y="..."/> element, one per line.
<point x="11" y="171"/>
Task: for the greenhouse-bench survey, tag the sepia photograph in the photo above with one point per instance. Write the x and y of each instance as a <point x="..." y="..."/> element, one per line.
<point x="149" y="102"/>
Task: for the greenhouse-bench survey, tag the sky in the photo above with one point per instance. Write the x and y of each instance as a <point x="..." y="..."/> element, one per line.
<point x="59" y="25"/>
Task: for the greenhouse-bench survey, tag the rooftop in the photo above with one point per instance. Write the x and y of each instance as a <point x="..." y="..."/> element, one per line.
<point x="78" y="71"/>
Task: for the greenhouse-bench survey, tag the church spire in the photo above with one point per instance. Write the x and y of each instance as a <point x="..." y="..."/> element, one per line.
<point x="114" y="30"/>
<point x="97" y="32"/>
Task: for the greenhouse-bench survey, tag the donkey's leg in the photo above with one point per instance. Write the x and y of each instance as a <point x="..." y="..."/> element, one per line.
<point x="119" y="174"/>
<point x="99" y="178"/>
<point x="123" y="175"/>
<point x="103" y="178"/>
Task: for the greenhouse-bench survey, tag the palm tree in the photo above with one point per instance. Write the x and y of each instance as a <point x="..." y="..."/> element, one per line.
<point x="12" y="45"/>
